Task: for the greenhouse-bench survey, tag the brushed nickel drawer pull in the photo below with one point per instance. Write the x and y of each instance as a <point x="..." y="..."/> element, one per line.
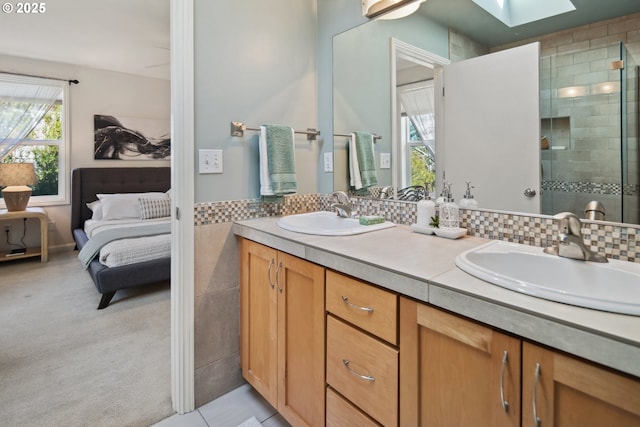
<point x="505" y="360"/>
<point x="536" y="375"/>
<point x="350" y="304"/>
<point x="269" y="273"/>
<point x="278" y="277"/>
<point x="364" y="377"/>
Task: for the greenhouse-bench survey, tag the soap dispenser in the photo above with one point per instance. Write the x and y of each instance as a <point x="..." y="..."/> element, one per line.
<point x="443" y="194"/>
<point x="449" y="213"/>
<point x="426" y="211"/>
<point x="468" y="202"/>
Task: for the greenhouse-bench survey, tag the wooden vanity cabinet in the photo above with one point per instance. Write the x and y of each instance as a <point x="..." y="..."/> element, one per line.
<point x="362" y="358"/>
<point x="453" y="372"/>
<point x="282" y="323"/>
<point x="563" y="391"/>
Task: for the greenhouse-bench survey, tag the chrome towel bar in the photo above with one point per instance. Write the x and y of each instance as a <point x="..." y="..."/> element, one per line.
<point x="238" y="128"/>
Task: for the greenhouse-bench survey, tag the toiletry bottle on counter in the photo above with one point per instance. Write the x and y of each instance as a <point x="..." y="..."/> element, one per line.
<point x="443" y="195"/>
<point x="426" y="210"/>
<point x="449" y="213"/>
<point x="468" y="202"/>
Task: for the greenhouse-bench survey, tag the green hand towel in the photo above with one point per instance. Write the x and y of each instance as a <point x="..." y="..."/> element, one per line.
<point x="281" y="159"/>
<point x="366" y="162"/>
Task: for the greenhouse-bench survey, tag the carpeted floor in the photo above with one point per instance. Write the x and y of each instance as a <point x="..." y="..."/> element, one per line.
<point x="64" y="363"/>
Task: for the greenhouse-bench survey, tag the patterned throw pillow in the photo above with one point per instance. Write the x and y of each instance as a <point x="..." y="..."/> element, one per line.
<point x="154" y="208"/>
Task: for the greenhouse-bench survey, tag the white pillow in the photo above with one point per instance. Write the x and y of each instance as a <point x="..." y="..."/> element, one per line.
<point x="96" y="208"/>
<point x="154" y="208"/>
<point x="124" y="205"/>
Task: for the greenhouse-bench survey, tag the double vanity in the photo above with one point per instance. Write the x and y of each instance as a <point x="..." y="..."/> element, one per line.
<point x="381" y="327"/>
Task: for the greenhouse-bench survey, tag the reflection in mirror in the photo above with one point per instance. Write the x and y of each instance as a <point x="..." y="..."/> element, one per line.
<point x="414" y="117"/>
<point x="362" y="88"/>
<point x="589" y="126"/>
<point x="568" y="119"/>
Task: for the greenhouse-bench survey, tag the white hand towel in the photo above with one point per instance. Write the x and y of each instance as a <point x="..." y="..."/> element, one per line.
<point x="354" y="167"/>
<point x="265" y="178"/>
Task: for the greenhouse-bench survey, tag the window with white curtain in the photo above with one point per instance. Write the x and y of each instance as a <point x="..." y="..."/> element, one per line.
<point x="418" y="133"/>
<point x="33" y="128"/>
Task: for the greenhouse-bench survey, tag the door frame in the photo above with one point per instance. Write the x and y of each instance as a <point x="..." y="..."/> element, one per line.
<point x="406" y="51"/>
<point x="182" y="200"/>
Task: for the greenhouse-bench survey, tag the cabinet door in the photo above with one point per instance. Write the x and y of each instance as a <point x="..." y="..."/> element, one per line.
<point x="569" y="392"/>
<point x="301" y="348"/>
<point x="258" y="317"/>
<point x="454" y="371"/>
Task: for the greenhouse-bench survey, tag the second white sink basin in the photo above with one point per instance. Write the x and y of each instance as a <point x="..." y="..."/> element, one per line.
<point x="612" y="286"/>
<point x="327" y="224"/>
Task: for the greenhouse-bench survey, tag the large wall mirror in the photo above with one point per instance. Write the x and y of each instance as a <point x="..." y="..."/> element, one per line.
<point x="574" y="161"/>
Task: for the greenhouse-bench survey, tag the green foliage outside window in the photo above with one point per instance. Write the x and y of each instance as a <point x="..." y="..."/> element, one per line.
<point x="422" y="164"/>
<point x="422" y="168"/>
<point x="44" y="157"/>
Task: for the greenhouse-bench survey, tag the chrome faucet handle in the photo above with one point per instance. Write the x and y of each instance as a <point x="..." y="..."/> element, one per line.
<point x="341" y="197"/>
<point x="569" y="223"/>
<point x="570" y="240"/>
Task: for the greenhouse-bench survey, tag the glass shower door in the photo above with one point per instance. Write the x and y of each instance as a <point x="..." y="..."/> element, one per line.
<point x="589" y="131"/>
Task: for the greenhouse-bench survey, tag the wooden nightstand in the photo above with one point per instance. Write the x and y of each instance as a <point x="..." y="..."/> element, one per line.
<point x="43" y="250"/>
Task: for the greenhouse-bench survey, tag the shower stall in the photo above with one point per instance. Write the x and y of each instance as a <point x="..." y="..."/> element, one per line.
<point x="589" y="132"/>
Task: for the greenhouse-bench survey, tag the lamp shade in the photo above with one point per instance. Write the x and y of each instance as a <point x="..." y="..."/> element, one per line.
<point x="17" y="174"/>
<point x="15" y="177"/>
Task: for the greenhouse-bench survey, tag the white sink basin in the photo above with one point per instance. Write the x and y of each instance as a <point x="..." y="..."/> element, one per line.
<point x="612" y="286"/>
<point x="327" y="224"/>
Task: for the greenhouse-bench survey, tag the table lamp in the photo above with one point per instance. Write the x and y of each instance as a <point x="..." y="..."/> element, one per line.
<point x="15" y="177"/>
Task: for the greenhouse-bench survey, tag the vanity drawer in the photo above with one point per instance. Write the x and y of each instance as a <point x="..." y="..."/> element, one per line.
<point x="370" y="308"/>
<point x="364" y="370"/>
<point x="342" y="413"/>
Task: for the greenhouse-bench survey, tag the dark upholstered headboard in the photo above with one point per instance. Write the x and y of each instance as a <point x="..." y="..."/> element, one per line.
<point x="87" y="182"/>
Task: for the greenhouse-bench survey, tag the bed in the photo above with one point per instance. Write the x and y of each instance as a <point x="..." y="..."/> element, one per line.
<point x="86" y="184"/>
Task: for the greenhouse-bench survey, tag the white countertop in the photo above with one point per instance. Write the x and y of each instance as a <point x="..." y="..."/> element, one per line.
<point x="422" y="267"/>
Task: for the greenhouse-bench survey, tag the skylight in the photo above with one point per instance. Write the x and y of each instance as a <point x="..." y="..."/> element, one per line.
<point x="517" y="12"/>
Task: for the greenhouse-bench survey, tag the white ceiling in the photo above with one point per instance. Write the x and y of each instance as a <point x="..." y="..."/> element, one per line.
<point x="130" y="36"/>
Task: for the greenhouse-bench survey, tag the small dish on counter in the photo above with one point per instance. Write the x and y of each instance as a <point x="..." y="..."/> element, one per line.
<point x="450" y="233"/>
<point x="422" y="229"/>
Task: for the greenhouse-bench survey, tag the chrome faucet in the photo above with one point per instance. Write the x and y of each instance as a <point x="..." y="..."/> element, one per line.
<point x="342" y="205"/>
<point x="385" y="193"/>
<point x="570" y="240"/>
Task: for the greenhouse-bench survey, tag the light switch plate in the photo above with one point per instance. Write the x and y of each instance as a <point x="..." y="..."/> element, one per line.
<point x="328" y="162"/>
<point x="210" y="161"/>
<point x="385" y="160"/>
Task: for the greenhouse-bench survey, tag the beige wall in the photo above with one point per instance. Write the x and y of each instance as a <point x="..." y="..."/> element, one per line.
<point x="217" y="307"/>
<point x="99" y="92"/>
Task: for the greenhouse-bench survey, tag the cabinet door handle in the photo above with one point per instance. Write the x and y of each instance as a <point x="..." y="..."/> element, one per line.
<point x="536" y="376"/>
<point x="364" y="377"/>
<point x="269" y="273"/>
<point x="278" y="275"/>
<point x="505" y="360"/>
<point x="350" y="304"/>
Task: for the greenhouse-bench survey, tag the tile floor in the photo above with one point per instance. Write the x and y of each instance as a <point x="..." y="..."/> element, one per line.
<point x="229" y="410"/>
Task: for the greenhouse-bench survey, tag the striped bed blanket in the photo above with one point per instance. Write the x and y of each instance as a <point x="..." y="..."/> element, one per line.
<point x="127" y="245"/>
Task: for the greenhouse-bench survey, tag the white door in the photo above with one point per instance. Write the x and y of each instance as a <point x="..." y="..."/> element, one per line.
<point x="491" y="128"/>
